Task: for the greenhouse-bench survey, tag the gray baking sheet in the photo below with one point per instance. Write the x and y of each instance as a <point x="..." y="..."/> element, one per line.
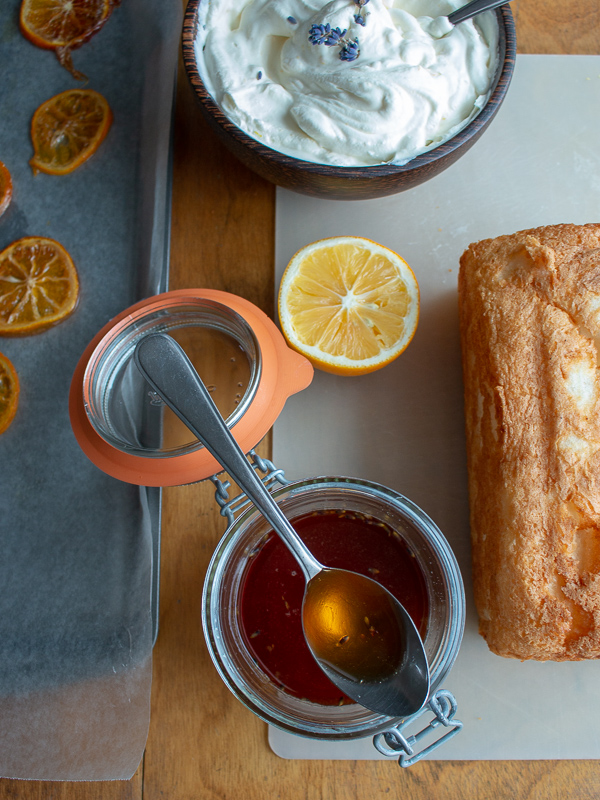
<point x="79" y="564"/>
<point x="538" y="164"/>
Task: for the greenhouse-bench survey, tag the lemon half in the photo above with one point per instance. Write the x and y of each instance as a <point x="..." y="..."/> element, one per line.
<point x="348" y="304"/>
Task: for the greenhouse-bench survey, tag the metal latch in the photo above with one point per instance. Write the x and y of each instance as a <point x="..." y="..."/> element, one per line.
<point x="393" y="741"/>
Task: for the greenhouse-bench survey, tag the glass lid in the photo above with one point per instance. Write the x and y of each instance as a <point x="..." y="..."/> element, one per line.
<point x="242" y="358"/>
<point x="122" y="407"/>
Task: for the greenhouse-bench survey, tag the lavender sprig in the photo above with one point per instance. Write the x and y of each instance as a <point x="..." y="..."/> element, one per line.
<point x="350" y="51"/>
<point x="359" y="18"/>
<point x="324" y="34"/>
<point x="334" y="37"/>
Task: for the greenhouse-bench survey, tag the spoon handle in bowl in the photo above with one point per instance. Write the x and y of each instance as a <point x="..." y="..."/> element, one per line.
<point x="172" y="375"/>
<point x="473" y="8"/>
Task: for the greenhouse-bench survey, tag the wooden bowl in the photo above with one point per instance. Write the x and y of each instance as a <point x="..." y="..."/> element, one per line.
<point x="347" y="183"/>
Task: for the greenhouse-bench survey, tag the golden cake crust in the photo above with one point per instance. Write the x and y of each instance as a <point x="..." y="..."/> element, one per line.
<point x="530" y="334"/>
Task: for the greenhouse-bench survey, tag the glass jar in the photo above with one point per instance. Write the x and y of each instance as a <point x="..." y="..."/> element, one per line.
<point x="224" y="584"/>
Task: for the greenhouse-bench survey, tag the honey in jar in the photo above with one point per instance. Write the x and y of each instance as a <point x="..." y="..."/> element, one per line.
<point x="273" y="589"/>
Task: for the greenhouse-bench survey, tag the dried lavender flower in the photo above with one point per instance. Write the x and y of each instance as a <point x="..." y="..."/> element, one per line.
<point x="336" y="37"/>
<point x="359" y="18"/>
<point x="332" y="37"/>
<point x="350" y="51"/>
<point x="324" y="34"/>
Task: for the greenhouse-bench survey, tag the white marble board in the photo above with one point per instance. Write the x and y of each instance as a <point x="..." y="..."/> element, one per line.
<point x="538" y="164"/>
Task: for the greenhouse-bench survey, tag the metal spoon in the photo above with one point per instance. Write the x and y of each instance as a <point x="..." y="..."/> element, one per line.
<point x="441" y="26"/>
<point x="473" y="8"/>
<point x="386" y="668"/>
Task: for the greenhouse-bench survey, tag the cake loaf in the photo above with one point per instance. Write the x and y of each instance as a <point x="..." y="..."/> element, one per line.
<point x="530" y="336"/>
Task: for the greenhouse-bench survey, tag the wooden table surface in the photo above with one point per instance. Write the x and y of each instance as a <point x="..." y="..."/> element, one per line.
<point x="203" y="743"/>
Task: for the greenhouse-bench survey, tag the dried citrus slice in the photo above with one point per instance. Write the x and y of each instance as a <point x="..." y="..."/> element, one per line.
<point x="38" y="286"/>
<point x="348" y="304"/>
<point x="63" y="25"/>
<point x="68" y="129"/>
<point x="9" y="392"/>
<point x="5" y="188"/>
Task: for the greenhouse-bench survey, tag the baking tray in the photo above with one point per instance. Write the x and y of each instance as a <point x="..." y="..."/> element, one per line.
<point x="79" y="567"/>
<point x="538" y="164"/>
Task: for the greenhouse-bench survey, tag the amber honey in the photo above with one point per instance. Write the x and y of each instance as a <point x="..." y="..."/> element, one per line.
<point x="273" y="589"/>
<point x="352" y="627"/>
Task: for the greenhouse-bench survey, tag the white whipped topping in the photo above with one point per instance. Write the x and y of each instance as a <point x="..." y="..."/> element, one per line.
<point x="417" y="80"/>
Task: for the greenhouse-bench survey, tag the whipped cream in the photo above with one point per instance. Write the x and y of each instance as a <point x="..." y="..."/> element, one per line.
<point x="416" y="82"/>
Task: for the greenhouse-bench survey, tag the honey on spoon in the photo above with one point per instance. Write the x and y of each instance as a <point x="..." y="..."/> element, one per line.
<point x="382" y="663"/>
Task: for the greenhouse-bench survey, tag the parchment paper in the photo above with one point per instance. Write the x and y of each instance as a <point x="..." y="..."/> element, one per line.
<point x="538" y="164"/>
<point x="76" y="570"/>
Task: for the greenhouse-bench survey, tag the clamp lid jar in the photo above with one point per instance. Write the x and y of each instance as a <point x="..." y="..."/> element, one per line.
<point x="229" y="644"/>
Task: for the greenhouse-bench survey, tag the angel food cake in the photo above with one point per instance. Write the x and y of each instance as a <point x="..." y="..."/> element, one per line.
<point x="530" y="334"/>
<point x="346" y="82"/>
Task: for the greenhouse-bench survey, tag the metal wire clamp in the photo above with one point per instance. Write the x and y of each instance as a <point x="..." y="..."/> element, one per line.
<point x="230" y="507"/>
<point x="393" y="741"/>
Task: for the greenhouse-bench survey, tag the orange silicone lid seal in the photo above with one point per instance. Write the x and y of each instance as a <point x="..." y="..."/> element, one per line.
<point x="284" y="372"/>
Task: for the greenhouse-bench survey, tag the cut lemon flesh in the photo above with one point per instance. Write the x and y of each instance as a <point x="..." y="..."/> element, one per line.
<point x="9" y="392"/>
<point x="39" y="286"/>
<point x="5" y="188"/>
<point x="348" y="304"/>
<point x="68" y="129"/>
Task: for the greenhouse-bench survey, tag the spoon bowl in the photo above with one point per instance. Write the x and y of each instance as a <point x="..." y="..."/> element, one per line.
<point x="385" y="669"/>
<point x="365" y="642"/>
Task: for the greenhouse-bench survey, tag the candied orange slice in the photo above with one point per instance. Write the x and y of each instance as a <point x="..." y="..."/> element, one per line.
<point x="9" y="392"/>
<point x="68" y="129"/>
<point x="348" y="304"/>
<point x="39" y="286"/>
<point x="63" y="25"/>
<point x="5" y="188"/>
